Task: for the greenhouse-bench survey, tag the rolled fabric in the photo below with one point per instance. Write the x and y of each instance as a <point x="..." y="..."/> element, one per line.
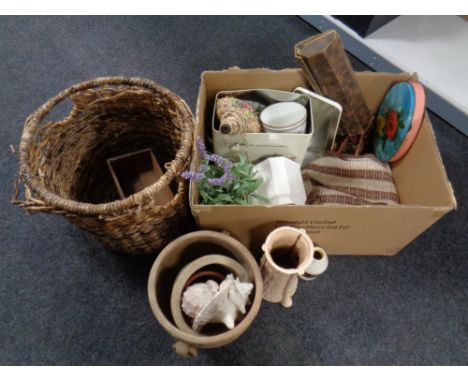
<point x="237" y="116"/>
<point x="349" y="180"/>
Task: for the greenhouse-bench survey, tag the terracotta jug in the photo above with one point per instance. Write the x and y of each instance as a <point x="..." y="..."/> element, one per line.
<point x="289" y="253"/>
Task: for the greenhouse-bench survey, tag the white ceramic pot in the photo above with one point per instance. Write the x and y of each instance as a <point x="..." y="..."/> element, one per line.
<point x="282" y="181"/>
<point x="284" y="117"/>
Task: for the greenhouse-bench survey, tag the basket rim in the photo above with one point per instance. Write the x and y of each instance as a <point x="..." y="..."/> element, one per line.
<point x="173" y="168"/>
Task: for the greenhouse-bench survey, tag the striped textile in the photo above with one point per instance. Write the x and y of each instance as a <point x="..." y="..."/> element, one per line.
<point x="349" y="180"/>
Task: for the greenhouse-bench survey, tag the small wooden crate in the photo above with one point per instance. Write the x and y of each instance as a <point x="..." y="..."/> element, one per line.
<point x="135" y="171"/>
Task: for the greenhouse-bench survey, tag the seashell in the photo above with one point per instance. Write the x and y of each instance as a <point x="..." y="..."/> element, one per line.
<point x="208" y="303"/>
<point x="197" y="296"/>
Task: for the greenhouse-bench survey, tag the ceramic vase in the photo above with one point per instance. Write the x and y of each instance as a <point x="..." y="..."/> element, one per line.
<point x="289" y="254"/>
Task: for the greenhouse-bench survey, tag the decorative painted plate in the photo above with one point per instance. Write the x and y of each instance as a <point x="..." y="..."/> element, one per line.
<point x="418" y="115"/>
<point x="398" y="121"/>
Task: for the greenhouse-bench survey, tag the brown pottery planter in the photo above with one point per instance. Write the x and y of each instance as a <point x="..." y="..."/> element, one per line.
<point x="170" y="262"/>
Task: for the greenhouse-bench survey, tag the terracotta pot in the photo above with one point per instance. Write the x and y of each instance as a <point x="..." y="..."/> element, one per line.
<point x="167" y="266"/>
<point x="195" y="278"/>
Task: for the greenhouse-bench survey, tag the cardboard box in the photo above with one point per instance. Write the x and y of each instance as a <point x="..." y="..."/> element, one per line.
<point x="424" y="190"/>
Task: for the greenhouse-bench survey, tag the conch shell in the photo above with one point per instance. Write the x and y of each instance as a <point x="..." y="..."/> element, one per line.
<point x="209" y="303"/>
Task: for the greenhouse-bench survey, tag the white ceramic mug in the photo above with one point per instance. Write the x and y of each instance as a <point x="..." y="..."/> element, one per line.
<point x="284" y="117"/>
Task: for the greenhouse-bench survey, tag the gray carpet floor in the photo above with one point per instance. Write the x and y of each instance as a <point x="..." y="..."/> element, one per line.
<point x="67" y="301"/>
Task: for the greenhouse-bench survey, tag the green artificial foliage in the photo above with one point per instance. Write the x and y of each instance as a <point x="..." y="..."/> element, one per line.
<point x="239" y="190"/>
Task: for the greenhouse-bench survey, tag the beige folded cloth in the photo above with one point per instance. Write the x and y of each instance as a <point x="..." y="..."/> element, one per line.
<point x="349" y="180"/>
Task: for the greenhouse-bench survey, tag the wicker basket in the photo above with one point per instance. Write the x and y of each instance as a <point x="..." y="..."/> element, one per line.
<point x="63" y="163"/>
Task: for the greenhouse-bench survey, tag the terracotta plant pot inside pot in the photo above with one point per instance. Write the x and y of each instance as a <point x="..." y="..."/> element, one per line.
<point x="173" y="259"/>
<point x="203" y="276"/>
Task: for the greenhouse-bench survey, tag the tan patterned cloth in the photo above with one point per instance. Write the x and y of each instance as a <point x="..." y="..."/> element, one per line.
<point x="349" y="180"/>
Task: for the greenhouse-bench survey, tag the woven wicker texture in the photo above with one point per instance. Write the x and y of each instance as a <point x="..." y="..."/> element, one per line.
<point x="63" y="163"/>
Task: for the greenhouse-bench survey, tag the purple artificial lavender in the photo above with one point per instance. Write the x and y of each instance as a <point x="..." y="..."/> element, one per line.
<point x="215" y="158"/>
<point x="200" y="174"/>
<point x="226" y="165"/>
<point x="193" y="175"/>
<point x="227" y="176"/>
<point x="201" y="149"/>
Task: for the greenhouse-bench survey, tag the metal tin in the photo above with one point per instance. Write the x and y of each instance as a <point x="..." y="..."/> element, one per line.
<point x="326" y="118"/>
<point x="259" y="146"/>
